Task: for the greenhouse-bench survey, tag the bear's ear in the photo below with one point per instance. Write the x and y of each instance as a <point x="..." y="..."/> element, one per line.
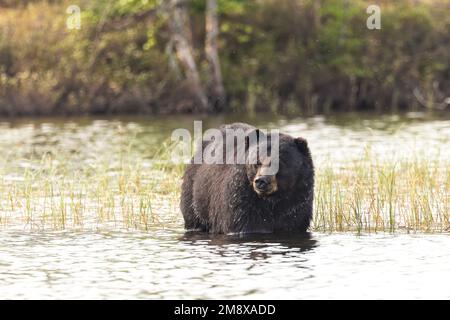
<point x="252" y="136"/>
<point x="302" y="145"/>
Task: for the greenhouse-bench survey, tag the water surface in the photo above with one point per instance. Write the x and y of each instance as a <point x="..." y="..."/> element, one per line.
<point x="100" y="261"/>
<point x="165" y="264"/>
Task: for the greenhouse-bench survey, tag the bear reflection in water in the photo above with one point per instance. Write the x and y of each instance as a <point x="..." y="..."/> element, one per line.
<point x="252" y="246"/>
<point x="249" y="197"/>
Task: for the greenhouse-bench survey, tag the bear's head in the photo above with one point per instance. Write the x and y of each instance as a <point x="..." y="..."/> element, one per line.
<point x="277" y="169"/>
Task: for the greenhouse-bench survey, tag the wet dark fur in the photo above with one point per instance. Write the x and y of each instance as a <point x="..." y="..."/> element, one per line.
<point x="220" y="198"/>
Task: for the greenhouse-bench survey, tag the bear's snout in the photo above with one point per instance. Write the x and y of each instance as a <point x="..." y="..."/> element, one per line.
<point x="265" y="185"/>
<point x="262" y="183"/>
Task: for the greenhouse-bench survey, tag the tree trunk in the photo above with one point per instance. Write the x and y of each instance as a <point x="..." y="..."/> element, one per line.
<point x="211" y="48"/>
<point x="178" y="24"/>
<point x="316" y="9"/>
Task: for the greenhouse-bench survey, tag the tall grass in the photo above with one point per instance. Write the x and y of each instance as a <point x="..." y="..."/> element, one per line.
<point x="372" y="195"/>
<point x="367" y="195"/>
<point x="136" y="194"/>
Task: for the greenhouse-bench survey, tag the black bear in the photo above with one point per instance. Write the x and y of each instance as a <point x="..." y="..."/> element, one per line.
<point x="247" y="197"/>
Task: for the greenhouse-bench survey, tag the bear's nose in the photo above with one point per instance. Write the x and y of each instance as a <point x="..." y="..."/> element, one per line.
<point x="262" y="183"/>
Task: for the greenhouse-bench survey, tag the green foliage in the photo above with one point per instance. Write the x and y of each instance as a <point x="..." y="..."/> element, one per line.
<point x="280" y="55"/>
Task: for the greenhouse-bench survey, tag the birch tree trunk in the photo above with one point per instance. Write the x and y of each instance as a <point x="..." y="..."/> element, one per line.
<point x="316" y="9"/>
<point x="211" y="49"/>
<point x="178" y="24"/>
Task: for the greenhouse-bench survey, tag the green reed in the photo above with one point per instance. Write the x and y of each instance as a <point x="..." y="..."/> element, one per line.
<point x="371" y="195"/>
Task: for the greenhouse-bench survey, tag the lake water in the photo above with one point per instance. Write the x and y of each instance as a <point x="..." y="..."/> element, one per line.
<point x="165" y="264"/>
<point x="107" y="260"/>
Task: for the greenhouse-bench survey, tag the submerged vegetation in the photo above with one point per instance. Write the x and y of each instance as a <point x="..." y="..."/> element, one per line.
<point x="279" y="56"/>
